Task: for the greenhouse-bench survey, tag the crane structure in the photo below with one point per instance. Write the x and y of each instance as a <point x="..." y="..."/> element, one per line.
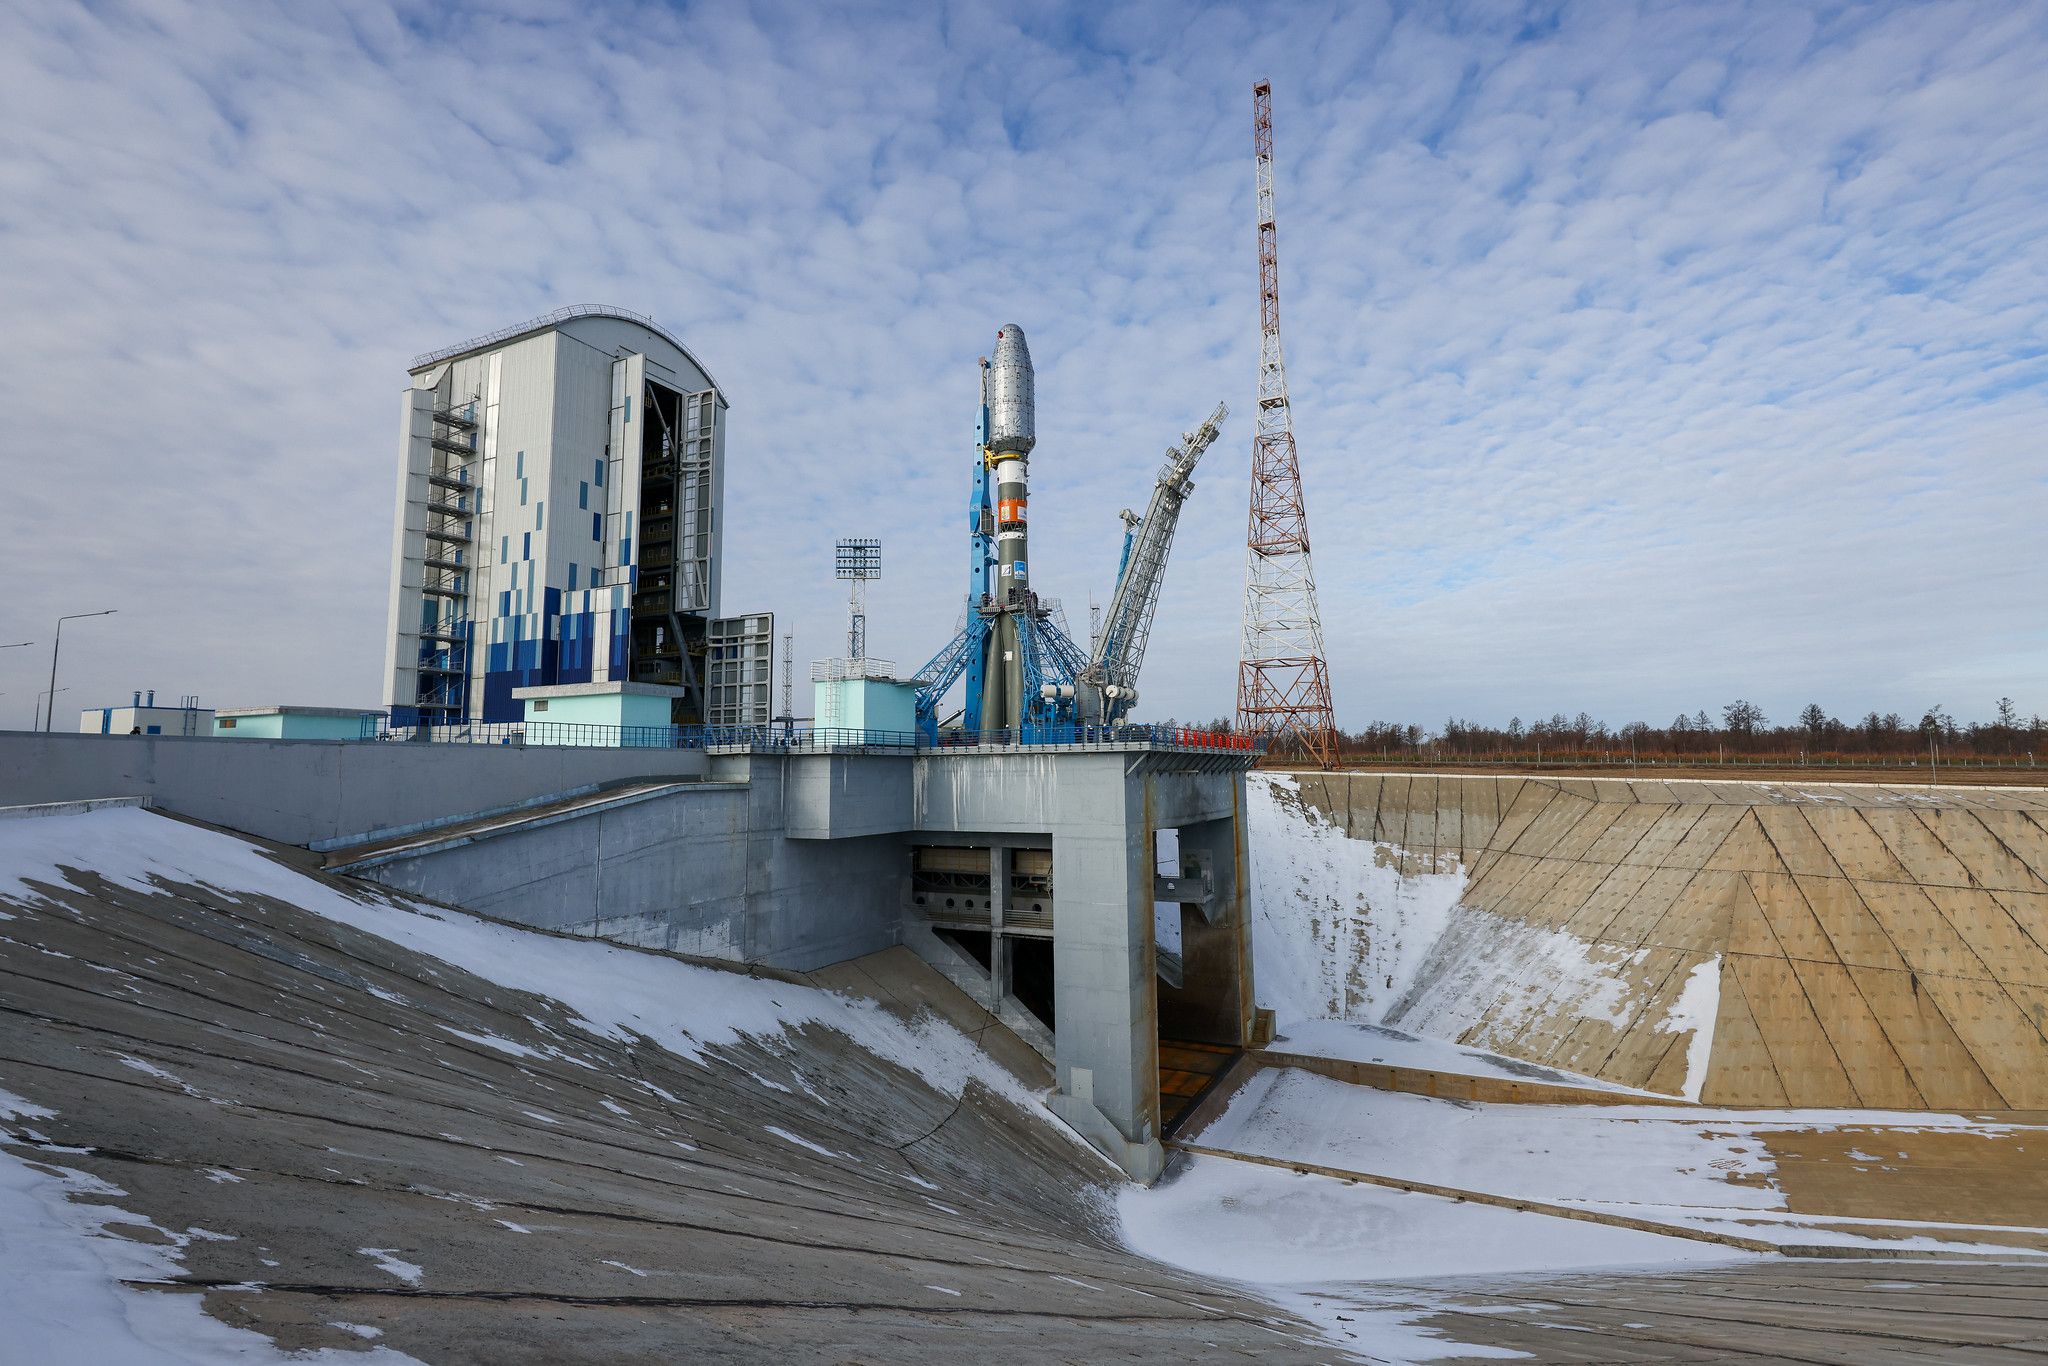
<point x="1111" y="675"/>
<point x="1025" y="679"/>
<point x="1283" y="680"/>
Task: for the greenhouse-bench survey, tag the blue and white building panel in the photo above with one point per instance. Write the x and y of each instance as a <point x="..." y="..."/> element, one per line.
<point x="531" y="578"/>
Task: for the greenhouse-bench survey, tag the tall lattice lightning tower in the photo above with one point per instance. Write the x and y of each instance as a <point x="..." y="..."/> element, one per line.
<point x="1283" y="678"/>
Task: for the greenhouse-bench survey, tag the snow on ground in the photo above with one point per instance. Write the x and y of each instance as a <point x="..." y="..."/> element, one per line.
<point x="64" y="1272"/>
<point x="1395" y="1048"/>
<point x="1337" y="932"/>
<point x="614" y="992"/>
<point x="1318" y="1246"/>
<point x="1705" y="1168"/>
<point x="1564" y="1154"/>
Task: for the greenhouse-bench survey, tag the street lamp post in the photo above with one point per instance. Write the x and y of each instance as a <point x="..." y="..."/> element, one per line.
<point x="51" y="713"/>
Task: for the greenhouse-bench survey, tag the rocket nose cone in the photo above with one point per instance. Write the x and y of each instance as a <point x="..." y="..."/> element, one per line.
<point x="1011" y="403"/>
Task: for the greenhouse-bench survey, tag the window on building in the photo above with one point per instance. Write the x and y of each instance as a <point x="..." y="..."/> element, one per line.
<point x="540" y="704"/>
<point x="599" y="479"/>
<point x="505" y="603"/>
<point x="583" y="495"/>
<point x="227" y="723"/>
<point x="597" y="526"/>
<point x="540" y="515"/>
<point x="572" y="576"/>
<point x="522" y="493"/>
<point x="504" y="549"/>
<point x="155" y="730"/>
<point x="519" y="466"/>
<point x="526" y="545"/>
<point x="629" y="407"/>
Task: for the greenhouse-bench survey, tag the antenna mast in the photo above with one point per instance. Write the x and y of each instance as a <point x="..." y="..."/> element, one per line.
<point x="1283" y="680"/>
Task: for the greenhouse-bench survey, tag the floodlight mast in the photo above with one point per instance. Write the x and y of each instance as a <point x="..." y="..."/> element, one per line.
<point x="857" y="560"/>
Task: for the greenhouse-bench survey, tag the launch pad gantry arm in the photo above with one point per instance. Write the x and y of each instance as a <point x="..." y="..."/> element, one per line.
<point x="1112" y="673"/>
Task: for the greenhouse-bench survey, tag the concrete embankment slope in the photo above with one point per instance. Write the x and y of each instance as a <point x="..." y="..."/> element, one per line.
<point x="1745" y="943"/>
<point x="335" y="1117"/>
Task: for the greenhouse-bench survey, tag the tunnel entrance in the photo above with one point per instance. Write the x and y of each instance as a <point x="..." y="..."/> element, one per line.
<point x="1198" y="967"/>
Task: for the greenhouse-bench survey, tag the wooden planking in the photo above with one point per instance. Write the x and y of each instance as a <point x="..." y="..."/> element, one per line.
<point x="1697" y="919"/>
<point x="1979" y="840"/>
<point x="1660" y="891"/>
<point x="1660" y="839"/>
<point x="1741" y="1071"/>
<point x="1624" y="832"/>
<point x="1450" y="817"/>
<point x="1998" y="1035"/>
<point x="1861" y="1046"/>
<point x="1706" y="836"/>
<point x="1749" y="930"/>
<point x="1418" y="827"/>
<point x="1956" y="967"/>
<point x="1985" y="921"/>
<point x="1390" y="823"/>
<point x="1924" y="857"/>
<point x="1941" y="1067"/>
<point x="1610" y="897"/>
<point x="1855" y="846"/>
<point x="1799" y="1047"/>
<point x="1797" y="846"/>
<point x="1919" y="931"/>
<point x="1858" y="938"/>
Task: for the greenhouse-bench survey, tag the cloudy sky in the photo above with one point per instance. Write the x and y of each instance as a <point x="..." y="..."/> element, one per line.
<point x="1643" y="357"/>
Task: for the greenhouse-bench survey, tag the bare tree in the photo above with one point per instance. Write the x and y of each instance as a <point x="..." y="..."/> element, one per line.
<point x="1744" y="718"/>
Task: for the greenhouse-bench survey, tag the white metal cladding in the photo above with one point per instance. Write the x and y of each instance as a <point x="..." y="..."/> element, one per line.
<point x="556" y="319"/>
<point x="740" y="670"/>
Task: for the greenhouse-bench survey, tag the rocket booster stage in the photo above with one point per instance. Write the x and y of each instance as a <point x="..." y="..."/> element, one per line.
<point x="1012" y="432"/>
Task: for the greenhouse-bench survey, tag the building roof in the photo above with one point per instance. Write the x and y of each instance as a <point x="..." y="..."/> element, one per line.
<point x="556" y="319"/>
<point x="298" y="711"/>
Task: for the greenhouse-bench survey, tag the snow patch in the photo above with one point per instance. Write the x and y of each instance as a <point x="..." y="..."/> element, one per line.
<point x="801" y="1142"/>
<point x="1697" y="1007"/>
<point x="389" y="1262"/>
<point x="71" y="1286"/>
<point x="1337" y="931"/>
<point x="1311" y="1242"/>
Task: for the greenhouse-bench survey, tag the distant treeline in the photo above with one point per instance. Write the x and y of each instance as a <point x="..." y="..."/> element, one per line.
<point x="1741" y="731"/>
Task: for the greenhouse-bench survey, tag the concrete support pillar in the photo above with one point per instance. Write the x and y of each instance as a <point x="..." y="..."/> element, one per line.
<point x="998" y="908"/>
<point x="1106" y="1041"/>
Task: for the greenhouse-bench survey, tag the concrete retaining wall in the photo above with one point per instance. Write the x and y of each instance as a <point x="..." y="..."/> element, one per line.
<point x="706" y="870"/>
<point x="302" y="791"/>
<point x="1858" y="945"/>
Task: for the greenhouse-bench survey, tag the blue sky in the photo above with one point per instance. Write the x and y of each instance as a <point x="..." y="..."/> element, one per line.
<point x="1643" y="357"/>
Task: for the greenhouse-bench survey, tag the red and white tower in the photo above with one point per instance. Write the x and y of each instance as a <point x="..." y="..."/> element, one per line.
<point x="1283" y="679"/>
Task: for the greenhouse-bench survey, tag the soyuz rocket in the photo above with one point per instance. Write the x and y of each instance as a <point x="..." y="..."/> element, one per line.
<point x="1012" y="432"/>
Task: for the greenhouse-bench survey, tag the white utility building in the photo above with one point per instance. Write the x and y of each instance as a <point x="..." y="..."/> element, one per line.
<point x="558" y="520"/>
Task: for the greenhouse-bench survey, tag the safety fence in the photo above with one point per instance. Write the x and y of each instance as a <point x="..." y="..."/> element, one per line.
<point x="787" y="737"/>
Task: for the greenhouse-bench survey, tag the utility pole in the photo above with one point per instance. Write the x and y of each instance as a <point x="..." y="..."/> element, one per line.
<point x="1283" y="677"/>
<point x="50" y="714"/>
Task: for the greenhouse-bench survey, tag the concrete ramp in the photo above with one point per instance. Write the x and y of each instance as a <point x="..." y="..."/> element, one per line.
<point x="320" y="1116"/>
<point x="1735" y="943"/>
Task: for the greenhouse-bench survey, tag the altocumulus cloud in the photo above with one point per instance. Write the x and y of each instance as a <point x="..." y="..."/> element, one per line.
<point x="1641" y="356"/>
